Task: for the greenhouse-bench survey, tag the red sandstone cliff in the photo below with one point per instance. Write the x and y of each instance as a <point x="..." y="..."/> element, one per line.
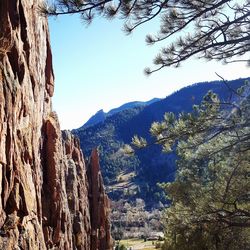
<point x="100" y="204"/>
<point x="43" y="183"/>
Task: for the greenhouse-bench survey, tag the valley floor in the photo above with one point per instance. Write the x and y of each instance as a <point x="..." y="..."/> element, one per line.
<point x="138" y="244"/>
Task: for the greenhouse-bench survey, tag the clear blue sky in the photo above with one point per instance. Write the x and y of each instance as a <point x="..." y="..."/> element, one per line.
<point x="99" y="67"/>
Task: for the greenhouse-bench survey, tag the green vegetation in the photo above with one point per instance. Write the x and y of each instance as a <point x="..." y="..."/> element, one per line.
<point x="210" y="205"/>
<point x="105" y="136"/>
<point x="148" y="166"/>
<point x="217" y="29"/>
<point x="121" y="247"/>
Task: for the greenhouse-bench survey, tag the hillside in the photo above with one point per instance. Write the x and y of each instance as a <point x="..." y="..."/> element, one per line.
<point x="148" y="166"/>
<point x="100" y="115"/>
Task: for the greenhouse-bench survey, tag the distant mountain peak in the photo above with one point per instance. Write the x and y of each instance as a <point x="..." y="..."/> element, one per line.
<point x="100" y="115"/>
<point x="101" y="111"/>
<point x="150" y="165"/>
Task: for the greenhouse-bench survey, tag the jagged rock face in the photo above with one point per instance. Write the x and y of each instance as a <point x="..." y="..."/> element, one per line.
<point x="65" y="204"/>
<point x="100" y="204"/>
<point x="43" y="185"/>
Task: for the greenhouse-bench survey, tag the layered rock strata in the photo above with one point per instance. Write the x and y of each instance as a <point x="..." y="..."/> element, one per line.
<point x="43" y="183"/>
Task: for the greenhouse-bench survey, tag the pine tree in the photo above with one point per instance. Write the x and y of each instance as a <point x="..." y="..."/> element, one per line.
<point x="210" y="202"/>
<point x="211" y="29"/>
<point x="210" y="197"/>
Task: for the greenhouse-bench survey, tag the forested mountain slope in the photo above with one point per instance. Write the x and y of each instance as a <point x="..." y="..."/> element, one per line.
<point x="100" y="115"/>
<point x="149" y="165"/>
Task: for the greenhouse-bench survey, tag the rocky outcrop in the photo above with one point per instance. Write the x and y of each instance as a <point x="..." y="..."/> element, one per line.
<point x="100" y="204"/>
<point x="43" y="183"/>
<point x="65" y="205"/>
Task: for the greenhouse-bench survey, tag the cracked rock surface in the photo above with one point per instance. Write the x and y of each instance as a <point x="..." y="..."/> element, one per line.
<point x="44" y="188"/>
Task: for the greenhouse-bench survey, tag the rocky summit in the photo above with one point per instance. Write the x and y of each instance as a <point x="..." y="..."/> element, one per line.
<point x="47" y="199"/>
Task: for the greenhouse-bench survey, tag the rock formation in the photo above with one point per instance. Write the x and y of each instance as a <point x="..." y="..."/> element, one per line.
<point x="44" y="187"/>
<point x="99" y="202"/>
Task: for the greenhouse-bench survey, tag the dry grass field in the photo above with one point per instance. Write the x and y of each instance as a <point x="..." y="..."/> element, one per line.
<point x="138" y="244"/>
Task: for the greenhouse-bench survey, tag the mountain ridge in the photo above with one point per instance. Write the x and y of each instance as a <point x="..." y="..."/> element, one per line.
<point x="150" y="165"/>
<point x="100" y="115"/>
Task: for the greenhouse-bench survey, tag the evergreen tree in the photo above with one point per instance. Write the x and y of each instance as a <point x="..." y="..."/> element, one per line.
<point x="210" y="197"/>
<point x="210" y="202"/>
<point x="211" y="29"/>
